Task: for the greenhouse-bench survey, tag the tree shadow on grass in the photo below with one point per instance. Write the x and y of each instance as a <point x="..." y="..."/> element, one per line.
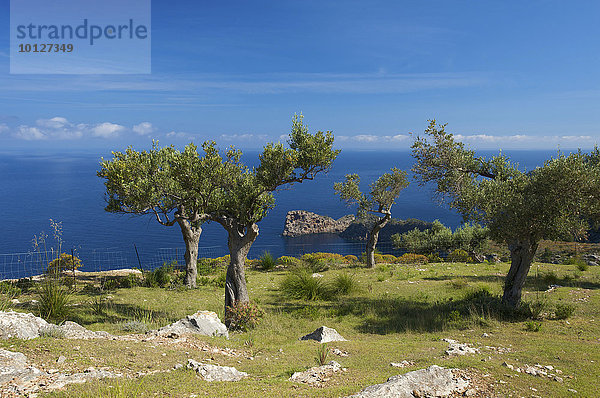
<point x="392" y="315"/>
<point x="118" y="312"/>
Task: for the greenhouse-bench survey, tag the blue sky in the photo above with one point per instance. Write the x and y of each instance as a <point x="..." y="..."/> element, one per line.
<point x="502" y="74"/>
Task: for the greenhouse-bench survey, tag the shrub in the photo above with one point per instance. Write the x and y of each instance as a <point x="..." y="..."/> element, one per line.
<point x="532" y="326"/>
<point x="458" y="284"/>
<point x="53" y="301"/>
<point x="136" y="327"/>
<point x="459" y="256"/>
<point x="546" y="256"/>
<point x="351" y="259"/>
<point x="301" y="285"/>
<point x="378" y="258"/>
<point x="563" y="310"/>
<point x="411" y="258"/>
<point x="550" y="278"/>
<point x="434" y="258"/>
<point x="344" y="284"/>
<point x="65" y="262"/>
<point x="52" y="331"/>
<point x="110" y="284"/>
<point x="206" y="266"/>
<point x="161" y="276"/>
<point x="287" y="261"/>
<point x="244" y="316"/>
<point x="130" y="280"/>
<point x="537" y="307"/>
<point x="221" y="279"/>
<point x="389" y="258"/>
<point x="266" y="262"/>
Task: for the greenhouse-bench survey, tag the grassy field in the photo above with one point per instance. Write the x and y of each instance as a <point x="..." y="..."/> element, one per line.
<point x="399" y="312"/>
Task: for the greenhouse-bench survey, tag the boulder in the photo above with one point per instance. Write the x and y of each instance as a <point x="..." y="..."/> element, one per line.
<point x="434" y="381"/>
<point x="216" y="373"/>
<point x="324" y="335"/>
<point x="300" y="222"/>
<point x="20" y="325"/>
<point x="206" y="323"/>
<point x="73" y="330"/>
<point x="317" y="374"/>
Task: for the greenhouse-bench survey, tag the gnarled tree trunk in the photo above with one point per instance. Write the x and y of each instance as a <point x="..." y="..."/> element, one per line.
<point x="191" y="237"/>
<point x="372" y="240"/>
<point x="240" y="241"/>
<point x="521" y="254"/>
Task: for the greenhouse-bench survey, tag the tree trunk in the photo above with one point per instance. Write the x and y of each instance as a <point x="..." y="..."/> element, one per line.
<point x="521" y="254"/>
<point x="372" y="241"/>
<point x="191" y="237"/>
<point x="240" y="241"/>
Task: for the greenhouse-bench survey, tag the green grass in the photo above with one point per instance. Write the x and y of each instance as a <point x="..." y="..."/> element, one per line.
<point x="403" y="317"/>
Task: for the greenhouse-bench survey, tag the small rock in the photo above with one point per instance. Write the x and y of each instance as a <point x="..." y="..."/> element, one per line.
<point x="205" y="323"/>
<point x="216" y="373"/>
<point x="402" y="364"/>
<point x="456" y="348"/>
<point x="317" y="275"/>
<point x="558" y="378"/>
<point x="61" y="359"/>
<point x="339" y="352"/>
<point x="485" y="335"/>
<point x="572" y="390"/>
<point x="324" y="335"/>
<point x="317" y="374"/>
<point x="471" y="392"/>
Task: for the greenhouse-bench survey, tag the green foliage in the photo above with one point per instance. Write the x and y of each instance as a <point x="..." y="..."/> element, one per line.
<point x="207" y="266"/>
<point x="288" y="261"/>
<point x="564" y="310"/>
<point x="537" y="307"/>
<point x="322" y="354"/>
<point x="434" y="258"/>
<point x="53" y="301"/>
<point x="351" y="259"/>
<point x="412" y="258"/>
<point x="578" y="262"/>
<point x="161" y="276"/>
<point x="389" y="258"/>
<point x="300" y="284"/>
<point x="244" y="316"/>
<point x="533" y="326"/>
<point x="471" y="238"/>
<point x="136" y="327"/>
<point x="550" y="278"/>
<point x="267" y="262"/>
<point x="344" y="284"/>
<point x="459" y="256"/>
<point x="52" y="332"/>
<point x="65" y="262"/>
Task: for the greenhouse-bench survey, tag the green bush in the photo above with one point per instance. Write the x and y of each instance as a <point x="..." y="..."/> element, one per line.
<point x="389" y="258"/>
<point x="351" y="259"/>
<point x="532" y="326"/>
<point x="344" y="284"/>
<point x="300" y="284"/>
<point x="537" y="307"/>
<point x="53" y="301"/>
<point x="136" y="327"/>
<point x="459" y="256"/>
<point x="266" y="262"/>
<point x="243" y="316"/>
<point x="130" y="280"/>
<point x="65" y="262"/>
<point x="550" y="278"/>
<point x="322" y="353"/>
<point x="206" y="266"/>
<point x="52" y="332"/>
<point x="564" y="310"/>
<point x="161" y="276"/>
<point x="434" y="258"/>
<point x="221" y="279"/>
<point x="288" y="261"/>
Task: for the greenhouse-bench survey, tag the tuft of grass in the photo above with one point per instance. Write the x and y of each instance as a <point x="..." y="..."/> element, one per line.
<point x="300" y="284"/>
<point x="53" y="301"/>
<point x="537" y="307"/>
<point x="345" y="284"/>
<point x="134" y="326"/>
<point x="267" y="262"/>
<point x="533" y="326"/>
<point x="322" y="354"/>
<point x="564" y="310"/>
<point x="52" y="331"/>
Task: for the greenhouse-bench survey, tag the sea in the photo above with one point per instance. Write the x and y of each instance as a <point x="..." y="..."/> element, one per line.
<point x="35" y="189"/>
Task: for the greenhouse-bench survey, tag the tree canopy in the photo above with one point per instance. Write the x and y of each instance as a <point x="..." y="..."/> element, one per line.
<point x="382" y="194"/>
<point x="520" y="208"/>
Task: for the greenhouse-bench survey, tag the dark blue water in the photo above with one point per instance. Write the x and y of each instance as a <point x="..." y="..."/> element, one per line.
<point x="34" y="189"/>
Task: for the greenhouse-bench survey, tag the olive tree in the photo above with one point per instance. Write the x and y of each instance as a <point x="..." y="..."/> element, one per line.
<point x="380" y="198"/>
<point x="176" y="187"/>
<point x="249" y="195"/>
<point x="554" y="201"/>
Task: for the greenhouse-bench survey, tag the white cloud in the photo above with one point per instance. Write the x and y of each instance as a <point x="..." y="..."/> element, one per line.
<point x="3" y="128"/>
<point x="143" y="128"/>
<point x="30" y="133"/>
<point x="55" y="122"/>
<point x="107" y="130"/>
<point x="516" y="141"/>
<point x="372" y="138"/>
<point x="178" y="134"/>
